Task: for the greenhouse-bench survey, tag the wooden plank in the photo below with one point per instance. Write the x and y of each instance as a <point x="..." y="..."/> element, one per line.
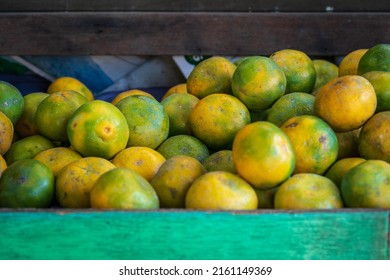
<point x="198" y="5"/>
<point x="127" y="33"/>
<point x="194" y="235"/>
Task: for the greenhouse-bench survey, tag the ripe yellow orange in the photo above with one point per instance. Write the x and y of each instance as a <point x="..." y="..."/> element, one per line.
<point x="3" y="165"/>
<point x="130" y="92"/>
<point x="349" y="64"/>
<point x="221" y="190"/>
<point x="263" y="154"/>
<point x="143" y="160"/>
<point x="6" y="133"/>
<point x="179" y="88"/>
<point x="346" y="103"/>
<point x="70" y="83"/>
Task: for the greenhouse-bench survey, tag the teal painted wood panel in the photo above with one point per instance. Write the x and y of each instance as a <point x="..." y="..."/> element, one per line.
<point x="195" y="235"/>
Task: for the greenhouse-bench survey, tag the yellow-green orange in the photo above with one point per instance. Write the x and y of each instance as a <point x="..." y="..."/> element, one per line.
<point x="6" y="133"/>
<point x="220" y="161"/>
<point x="314" y="143"/>
<point x="174" y="178"/>
<point x="147" y="121"/>
<point x="346" y="103"/>
<point x="263" y="155"/>
<point x="98" y="128"/>
<point x="179" y="88"/>
<point x="75" y="181"/>
<point x="325" y="72"/>
<point x="380" y="80"/>
<point x="57" y="158"/>
<point x="258" y="82"/>
<point x="377" y="58"/>
<point x="11" y="101"/>
<point x="217" y="118"/>
<point x="123" y="188"/>
<point x="308" y="191"/>
<point x="70" y="83"/>
<point x="349" y="64"/>
<point x="130" y="92"/>
<point x="367" y="185"/>
<point x="221" y="190"/>
<point x="337" y="171"/>
<point x="212" y="75"/>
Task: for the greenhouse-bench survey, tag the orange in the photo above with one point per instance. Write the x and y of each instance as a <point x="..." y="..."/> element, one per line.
<point x="179" y="88"/>
<point x="174" y="178"/>
<point x="258" y="82"/>
<point x="143" y="160"/>
<point x="377" y="58"/>
<point x="380" y="80"/>
<point x="11" y="102"/>
<point x="325" y="72"/>
<point x="220" y="161"/>
<point x="27" y="183"/>
<point x="337" y="171"/>
<point x="348" y="143"/>
<point x="57" y="158"/>
<point x="27" y="126"/>
<point x="123" y="188"/>
<point x="308" y="191"/>
<point x="346" y="103"/>
<point x="179" y="107"/>
<point x="185" y="145"/>
<point x="314" y="142"/>
<point x="54" y="112"/>
<point x="349" y="64"/>
<point x="6" y="133"/>
<point x="3" y="165"/>
<point x="70" y="83"/>
<point x="266" y="198"/>
<point x="298" y="68"/>
<point x="75" y="181"/>
<point x="367" y="185"/>
<point x="27" y="148"/>
<point x="217" y="118"/>
<point x="98" y="128"/>
<point x="374" y="137"/>
<point x="147" y="121"/>
<point x="221" y="190"/>
<point x="263" y="154"/>
<point x="290" y="105"/>
<point x="212" y="75"/>
<point x="130" y="92"/>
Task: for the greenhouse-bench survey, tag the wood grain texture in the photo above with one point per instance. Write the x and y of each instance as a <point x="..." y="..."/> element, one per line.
<point x="194" y="235"/>
<point x="127" y="33"/>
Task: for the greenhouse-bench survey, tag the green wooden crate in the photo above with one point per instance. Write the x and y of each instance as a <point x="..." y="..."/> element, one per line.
<point x="358" y="234"/>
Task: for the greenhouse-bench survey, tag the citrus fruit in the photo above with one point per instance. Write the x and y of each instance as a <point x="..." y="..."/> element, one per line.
<point x="266" y="198"/>
<point x="216" y="119"/>
<point x="220" y="161"/>
<point x="263" y="154"/>
<point x="27" y="148"/>
<point x="291" y="105"/>
<point x="179" y="107"/>
<point x="6" y="133"/>
<point x="380" y="80"/>
<point x="98" y="128"/>
<point x="298" y="68"/>
<point x="367" y="185"/>
<point x="184" y="145"/>
<point x="348" y="143"/>
<point x="337" y="171"/>
<point x="57" y="158"/>
<point x="179" y="88"/>
<point x="147" y="121"/>
<point x="376" y="58"/>
<point x="26" y="125"/>
<point x="54" y="112"/>
<point x="70" y="83"/>
<point x="374" y="137"/>
<point x="130" y="92"/>
<point x="143" y="160"/>
<point x="349" y="64"/>
<point x="123" y="188"/>
<point x="212" y="75"/>
<point x="11" y="101"/>
<point x="174" y="178"/>
<point x="308" y="191"/>
<point x="27" y="183"/>
<point x="221" y="190"/>
<point x="3" y="165"/>
<point x="346" y="103"/>
<point x="314" y="143"/>
<point x="325" y="72"/>
<point x="258" y="82"/>
<point x="75" y="181"/>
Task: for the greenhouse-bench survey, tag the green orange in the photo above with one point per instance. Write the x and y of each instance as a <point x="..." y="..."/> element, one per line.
<point x="377" y="58"/>
<point x="325" y="72"/>
<point x="380" y="80"/>
<point x="11" y="101"/>
<point x="220" y="161"/>
<point x="337" y="171"/>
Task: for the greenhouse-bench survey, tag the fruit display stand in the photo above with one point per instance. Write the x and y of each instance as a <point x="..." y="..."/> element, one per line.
<point x="248" y="27"/>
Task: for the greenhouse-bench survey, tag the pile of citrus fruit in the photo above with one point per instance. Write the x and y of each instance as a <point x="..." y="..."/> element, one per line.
<point x="282" y="131"/>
